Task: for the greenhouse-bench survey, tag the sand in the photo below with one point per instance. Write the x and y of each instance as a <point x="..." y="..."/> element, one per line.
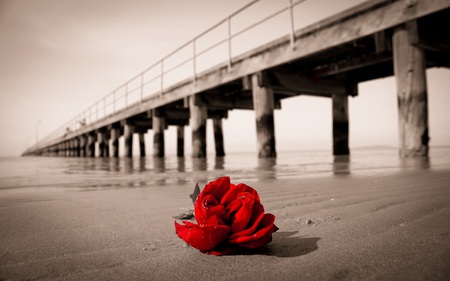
<point x="379" y="225"/>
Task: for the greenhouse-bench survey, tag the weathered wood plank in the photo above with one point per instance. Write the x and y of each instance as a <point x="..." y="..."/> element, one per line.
<point x="409" y="67"/>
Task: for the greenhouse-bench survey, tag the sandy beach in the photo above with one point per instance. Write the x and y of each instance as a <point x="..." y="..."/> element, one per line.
<point x="379" y="225"/>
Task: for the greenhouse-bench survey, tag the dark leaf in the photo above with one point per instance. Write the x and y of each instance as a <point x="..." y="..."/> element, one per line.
<point x="185" y="216"/>
<point x="195" y="193"/>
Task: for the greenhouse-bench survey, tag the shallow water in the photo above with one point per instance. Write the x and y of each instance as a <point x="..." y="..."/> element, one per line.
<point x="94" y="173"/>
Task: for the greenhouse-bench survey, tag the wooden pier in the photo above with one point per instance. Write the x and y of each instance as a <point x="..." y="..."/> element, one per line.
<point x="376" y="39"/>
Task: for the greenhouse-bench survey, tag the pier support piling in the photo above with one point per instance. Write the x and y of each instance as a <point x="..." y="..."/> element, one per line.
<point x="218" y="136"/>
<point x="82" y="146"/>
<point x="141" y="144"/>
<point x="263" y="104"/>
<point x="102" y="144"/>
<point x="198" y="118"/>
<point x="158" y="134"/>
<point x="76" y="144"/>
<point x="115" y="134"/>
<point x="409" y="69"/>
<point x="340" y="125"/>
<point x="180" y="141"/>
<point x="128" y="132"/>
<point x="90" y="145"/>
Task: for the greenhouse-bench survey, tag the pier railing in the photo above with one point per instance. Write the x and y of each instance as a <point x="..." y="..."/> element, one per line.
<point x="218" y="44"/>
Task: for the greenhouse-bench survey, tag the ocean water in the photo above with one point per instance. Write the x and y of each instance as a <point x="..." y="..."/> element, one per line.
<point x="96" y="173"/>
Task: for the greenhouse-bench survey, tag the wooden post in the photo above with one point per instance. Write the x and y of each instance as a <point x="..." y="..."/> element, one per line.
<point x="158" y="134"/>
<point x="142" y="144"/>
<point x="61" y="150"/>
<point x="69" y="148"/>
<point x="198" y="117"/>
<point x="83" y="146"/>
<point x="340" y="124"/>
<point x="101" y="144"/>
<point x="180" y="141"/>
<point x="65" y="149"/>
<point x="263" y="104"/>
<point x="409" y="69"/>
<point x="115" y="134"/>
<point x="72" y="148"/>
<point x="76" y="144"/>
<point x="90" y="145"/>
<point x="218" y="136"/>
<point x="106" y="137"/>
<point x="128" y="132"/>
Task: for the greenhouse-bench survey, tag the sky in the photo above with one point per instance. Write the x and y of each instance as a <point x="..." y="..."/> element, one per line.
<point x="58" y="57"/>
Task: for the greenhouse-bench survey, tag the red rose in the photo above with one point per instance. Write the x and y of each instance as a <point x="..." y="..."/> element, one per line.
<point x="227" y="216"/>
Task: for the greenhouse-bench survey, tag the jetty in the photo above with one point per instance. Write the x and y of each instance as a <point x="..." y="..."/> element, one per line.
<point x="375" y="39"/>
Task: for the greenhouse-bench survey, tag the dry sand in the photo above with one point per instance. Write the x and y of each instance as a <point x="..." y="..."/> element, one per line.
<point x="383" y="225"/>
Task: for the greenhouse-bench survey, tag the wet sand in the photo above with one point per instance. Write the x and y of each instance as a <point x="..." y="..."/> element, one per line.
<point x="380" y="225"/>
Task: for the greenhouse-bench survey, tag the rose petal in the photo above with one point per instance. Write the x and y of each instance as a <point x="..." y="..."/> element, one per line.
<point x="241" y="218"/>
<point x="217" y="188"/>
<point x="235" y="190"/>
<point x="206" y="206"/>
<point x="257" y="216"/>
<point x="265" y="228"/>
<point x="258" y="243"/>
<point x="203" y="238"/>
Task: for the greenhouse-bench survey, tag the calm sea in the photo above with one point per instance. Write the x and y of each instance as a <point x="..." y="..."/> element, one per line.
<point x="94" y="173"/>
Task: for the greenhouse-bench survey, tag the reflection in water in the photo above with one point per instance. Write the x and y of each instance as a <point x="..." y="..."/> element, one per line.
<point x="114" y="164"/>
<point x="159" y="164"/>
<point x="128" y="165"/>
<point x="341" y="165"/>
<point x="181" y="164"/>
<point x="172" y="170"/>
<point x="415" y="162"/>
<point x="266" y="169"/>
<point x="142" y="163"/>
<point x="219" y="163"/>
<point x="199" y="164"/>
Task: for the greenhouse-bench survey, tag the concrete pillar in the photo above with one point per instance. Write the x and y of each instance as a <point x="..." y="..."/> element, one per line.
<point x="141" y="144"/>
<point x="218" y="136"/>
<point x="263" y="104"/>
<point x="83" y="142"/>
<point x="128" y="132"/>
<point x="409" y="69"/>
<point x="115" y="134"/>
<point x="180" y="141"/>
<point x="158" y="135"/>
<point x="198" y="115"/>
<point x="340" y="124"/>
<point x="90" y="146"/>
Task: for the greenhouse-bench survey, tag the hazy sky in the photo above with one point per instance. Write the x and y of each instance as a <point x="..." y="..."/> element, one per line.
<point x="57" y="57"/>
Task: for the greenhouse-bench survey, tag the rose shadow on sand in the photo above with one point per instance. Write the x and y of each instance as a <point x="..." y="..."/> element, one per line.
<point x="285" y="244"/>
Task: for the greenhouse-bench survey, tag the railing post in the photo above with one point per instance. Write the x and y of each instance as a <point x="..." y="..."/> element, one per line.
<point x="291" y="18"/>
<point x="194" y="58"/>
<point x="229" y="42"/>
<point x="162" y="76"/>
<point x="142" y="87"/>
<point x="114" y="102"/>
<point x="104" y="106"/>
<point x="126" y="95"/>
